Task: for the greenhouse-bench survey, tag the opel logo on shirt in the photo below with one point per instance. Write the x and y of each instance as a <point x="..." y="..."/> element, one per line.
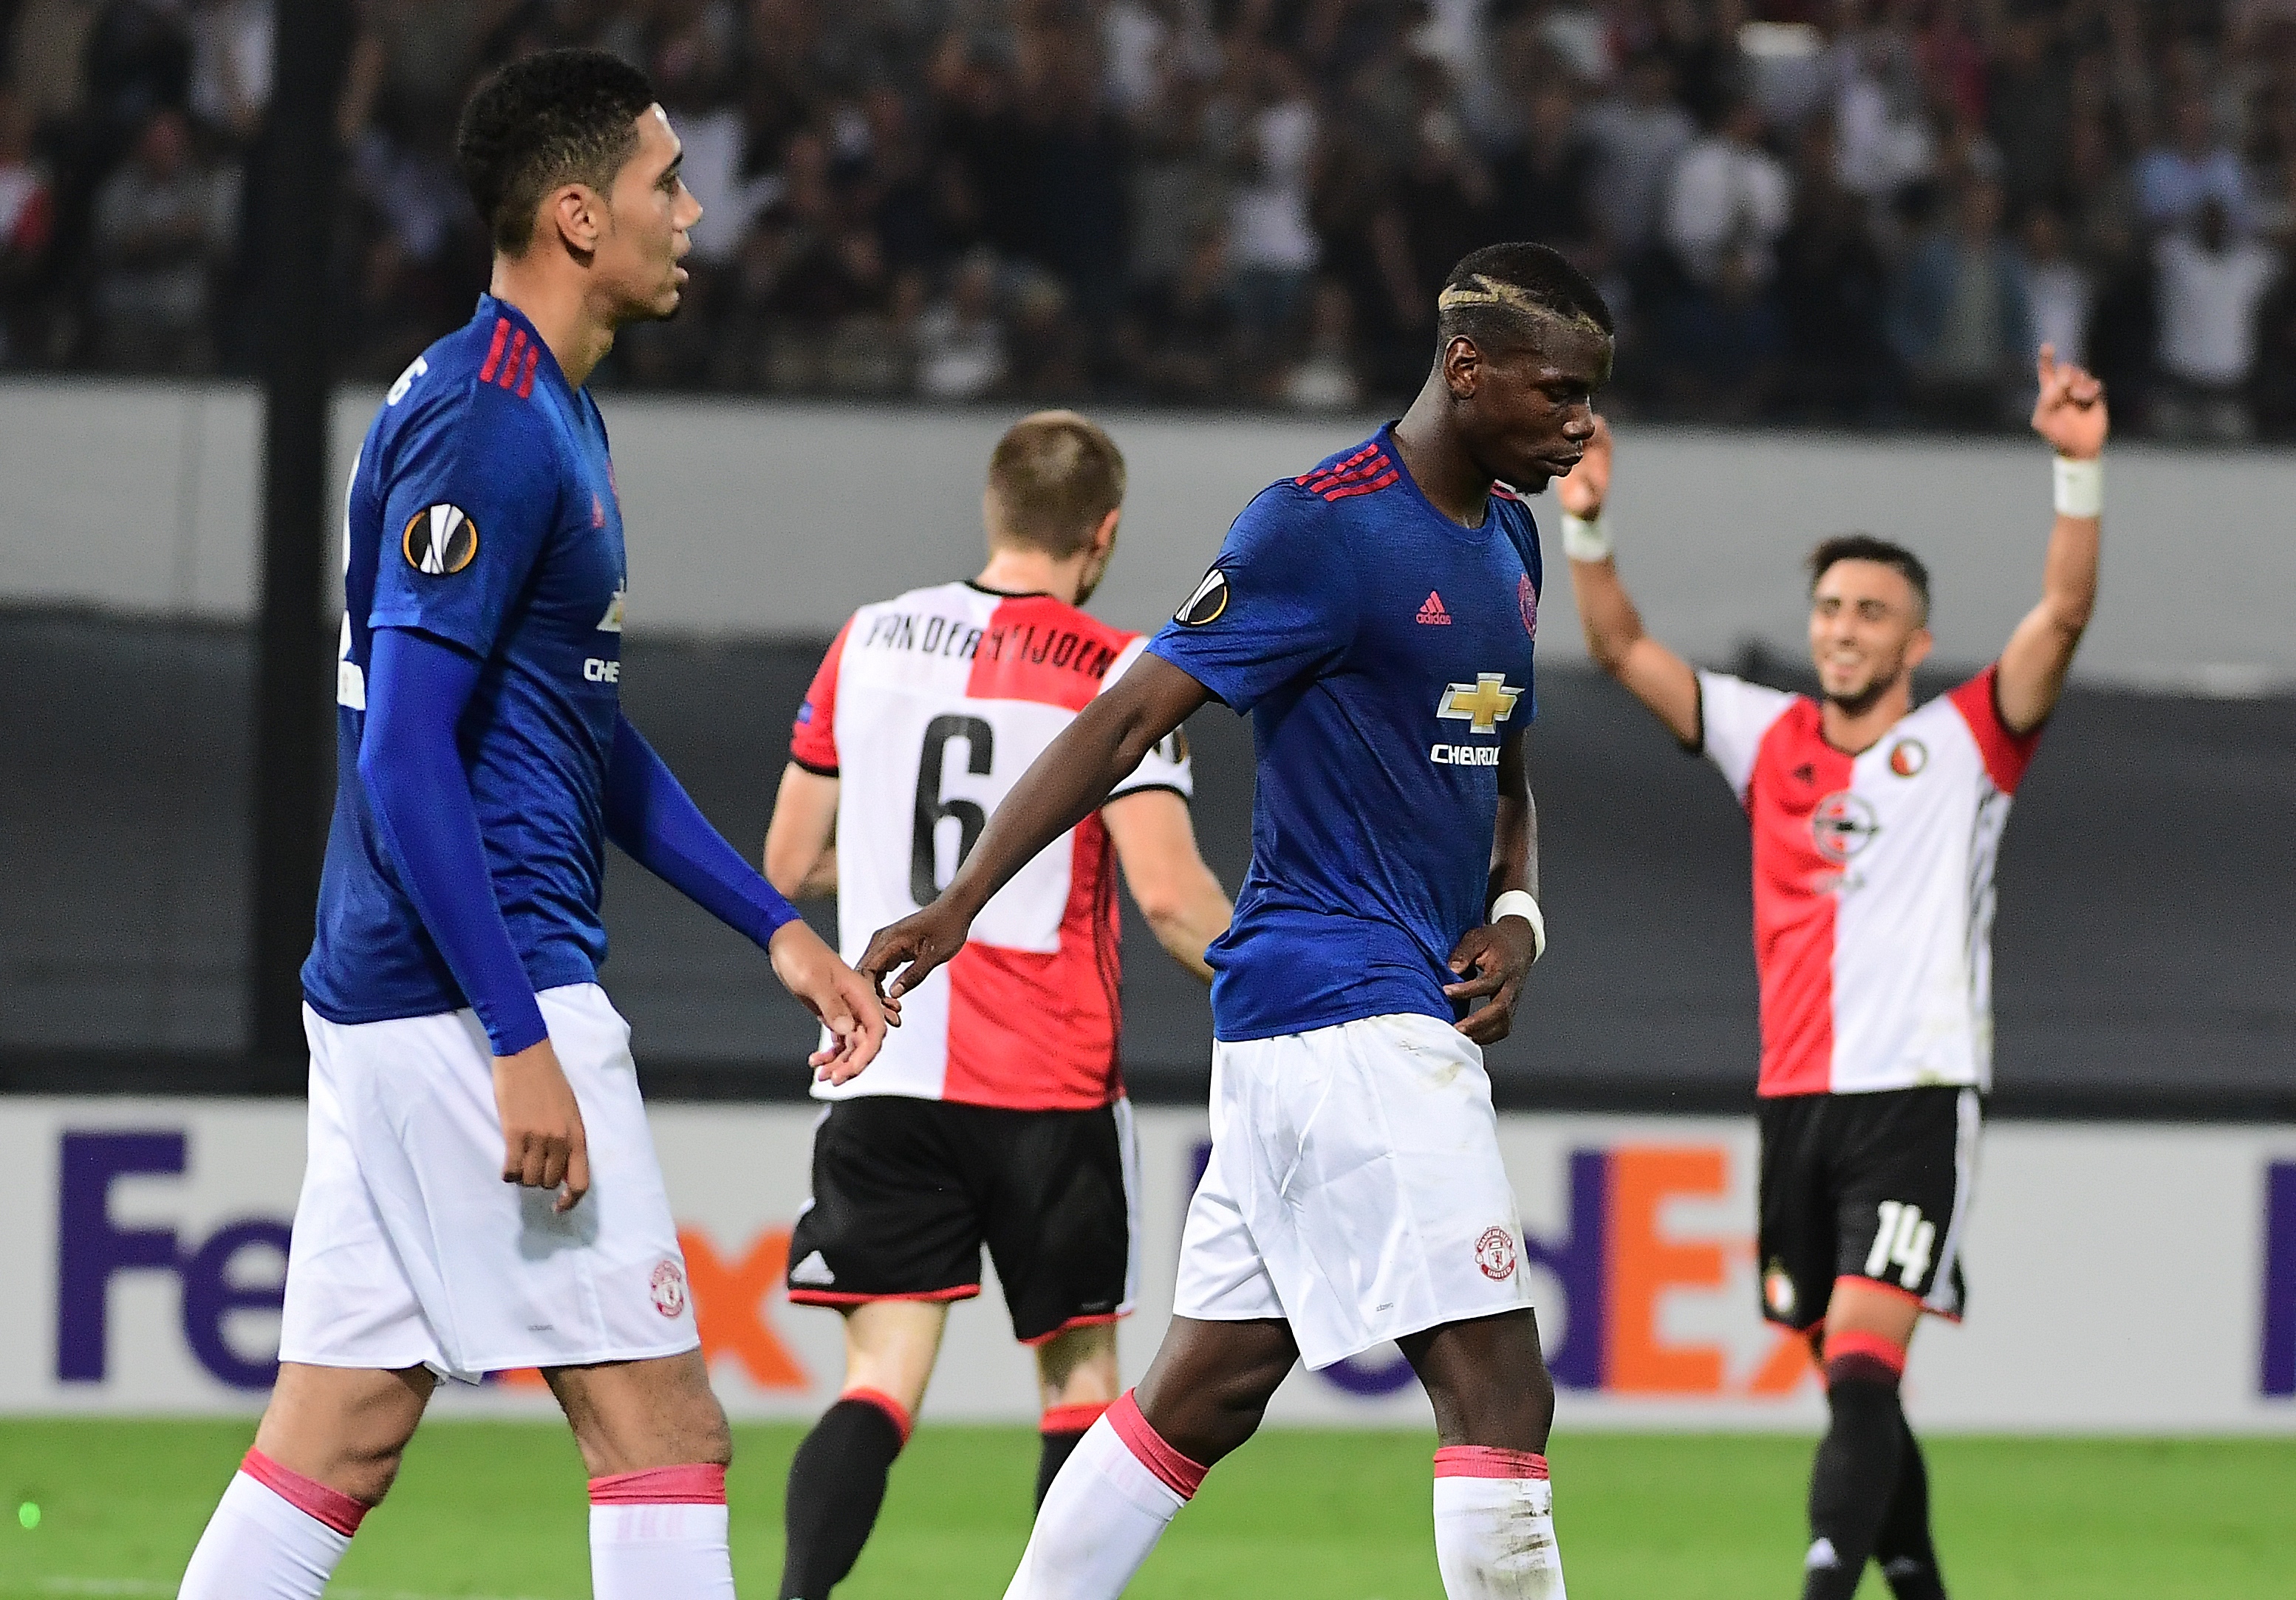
<point x="1843" y="825"/>
<point x="440" y="540"/>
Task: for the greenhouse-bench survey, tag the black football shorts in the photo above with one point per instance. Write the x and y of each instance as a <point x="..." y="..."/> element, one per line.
<point x="1874" y="1187"/>
<point x="905" y="1192"/>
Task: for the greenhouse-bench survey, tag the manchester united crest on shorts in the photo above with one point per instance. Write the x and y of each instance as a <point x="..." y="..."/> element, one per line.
<point x="669" y="1286"/>
<point x="1494" y="1254"/>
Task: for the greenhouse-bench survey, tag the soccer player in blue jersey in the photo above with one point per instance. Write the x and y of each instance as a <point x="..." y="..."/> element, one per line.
<point x="1375" y="617"/>
<point x="481" y="1191"/>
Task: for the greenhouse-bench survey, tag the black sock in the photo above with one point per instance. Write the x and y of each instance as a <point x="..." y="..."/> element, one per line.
<point x="836" y="1483"/>
<point x="1856" y="1473"/>
<point x="1059" y="1445"/>
<point x="1908" y="1557"/>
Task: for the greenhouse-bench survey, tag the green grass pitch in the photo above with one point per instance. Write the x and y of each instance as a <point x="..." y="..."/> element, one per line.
<point x="496" y="1509"/>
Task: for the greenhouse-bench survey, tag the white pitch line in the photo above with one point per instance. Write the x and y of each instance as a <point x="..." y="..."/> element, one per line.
<point x="126" y="1586"/>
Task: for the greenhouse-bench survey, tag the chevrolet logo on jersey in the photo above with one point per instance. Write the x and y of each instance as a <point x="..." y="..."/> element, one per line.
<point x="612" y="622"/>
<point x="1484" y="704"/>
<point x="440" y="540"/>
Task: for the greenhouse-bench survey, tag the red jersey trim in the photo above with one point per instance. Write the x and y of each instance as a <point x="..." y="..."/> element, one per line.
<point x="1795" y="773"/>
<point x="813" y="736"/>
<point x="2008" y="753"/>
<point x="1039" y="649"/>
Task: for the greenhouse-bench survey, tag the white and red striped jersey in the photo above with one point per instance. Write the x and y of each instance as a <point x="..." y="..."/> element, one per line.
<point x="927" y="708"/>
<point x="1872" y="884"/>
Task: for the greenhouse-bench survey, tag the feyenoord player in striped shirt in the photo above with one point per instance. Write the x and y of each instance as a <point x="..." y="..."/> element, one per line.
<point x="996" y="1115"/>
<point x="1876" y="826"/>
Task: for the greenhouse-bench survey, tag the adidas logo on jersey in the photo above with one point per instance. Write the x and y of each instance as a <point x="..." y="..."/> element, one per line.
<point x="813" y="1269"/>
<point x="1432" y="612"/>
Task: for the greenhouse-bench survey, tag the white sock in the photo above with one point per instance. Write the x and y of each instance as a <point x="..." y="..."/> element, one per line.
<point x="661" y="1535"/>
<point x="1494" y="1525"/>
<point x="261" y="1546"/>
<point x="1119" y="1490"/>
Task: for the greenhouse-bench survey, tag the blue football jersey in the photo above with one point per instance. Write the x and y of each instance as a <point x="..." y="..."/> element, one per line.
<point x="482" y="512"/>
<point x="1384" y="653"/>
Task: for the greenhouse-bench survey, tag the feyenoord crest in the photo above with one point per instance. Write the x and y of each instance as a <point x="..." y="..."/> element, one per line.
<point x="669" y="1287"/>
<point x="1908" y="757"/>
<point x="1494" y="1254"/>
<point x="440" y="540"/>
<point x="1207" y="603"/>
<point x="1778" y="1290"/>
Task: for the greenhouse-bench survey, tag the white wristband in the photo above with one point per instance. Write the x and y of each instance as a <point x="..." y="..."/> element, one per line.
<point x="1583" y="540"/>
<point x="1516" y="902"/>
<point x="2080" y="487"/>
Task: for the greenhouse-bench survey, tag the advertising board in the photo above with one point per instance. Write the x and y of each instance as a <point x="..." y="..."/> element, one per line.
<point x="2124" y="1278"/>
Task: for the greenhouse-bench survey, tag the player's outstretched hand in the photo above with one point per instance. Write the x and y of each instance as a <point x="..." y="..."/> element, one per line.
<point x="916" y="945"/>
<point x="1582" y="491"/>
<point x="2070" y="412"/>
<point x="544" y="1146"/>
<point x="1492" y="962"/>
<point x="839" y="996"/>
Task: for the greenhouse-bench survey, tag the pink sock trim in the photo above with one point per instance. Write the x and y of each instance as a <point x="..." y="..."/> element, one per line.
<point x="1071" y="1419"/>
<point x="338" y="1510"/>
<point x="1487" y="1461"/>
<point x="886" y="1403"/>
<point x="1181" y="1475"/>
<point x="699" y="1484"/>
<point x="1872" y="1347"/>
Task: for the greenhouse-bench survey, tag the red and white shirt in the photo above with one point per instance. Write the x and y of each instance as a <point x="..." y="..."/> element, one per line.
<point x="927" y="708"/>
<point x="1872" y="884"/>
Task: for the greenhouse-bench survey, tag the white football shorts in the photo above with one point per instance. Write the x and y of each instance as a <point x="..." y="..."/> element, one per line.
<point x="1355" y="1188"/>
<point x="410" y="1250"/>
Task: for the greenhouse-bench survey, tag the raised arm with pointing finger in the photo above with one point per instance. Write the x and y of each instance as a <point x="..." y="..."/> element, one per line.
<point x="2069" y="414"/>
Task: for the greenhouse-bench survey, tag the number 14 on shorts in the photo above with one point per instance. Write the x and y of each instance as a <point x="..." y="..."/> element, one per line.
<point x="1904" y="1240"/>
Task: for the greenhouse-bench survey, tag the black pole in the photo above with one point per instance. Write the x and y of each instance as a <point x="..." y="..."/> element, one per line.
<point x="295" y="189"/>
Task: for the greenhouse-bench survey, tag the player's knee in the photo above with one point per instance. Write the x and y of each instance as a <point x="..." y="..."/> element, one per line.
<point x="367" y="1475"/>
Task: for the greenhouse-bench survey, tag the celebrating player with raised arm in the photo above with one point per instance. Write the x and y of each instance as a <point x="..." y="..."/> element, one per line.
<point x="1876" y="826"/>
<point x="996" y="1114"/>
<point x="469" y="1081"/>
<point x="1375" y="616"/>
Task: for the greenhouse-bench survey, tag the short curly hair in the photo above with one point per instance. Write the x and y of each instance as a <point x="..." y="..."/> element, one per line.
<point x="1865" y="547"/>
<point x="1497" y="293"/>
<point x="557" y="117"/>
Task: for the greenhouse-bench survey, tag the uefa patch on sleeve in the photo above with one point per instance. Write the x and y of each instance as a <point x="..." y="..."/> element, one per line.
<point x="1207" y="603"/>
<point x="440" y="540"/>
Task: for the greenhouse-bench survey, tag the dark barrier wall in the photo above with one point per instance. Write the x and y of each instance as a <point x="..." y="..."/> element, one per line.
<point x="2144" y="948"/>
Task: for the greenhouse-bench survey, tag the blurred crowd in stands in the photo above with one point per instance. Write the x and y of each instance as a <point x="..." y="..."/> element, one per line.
<point x="1835" y="212"/>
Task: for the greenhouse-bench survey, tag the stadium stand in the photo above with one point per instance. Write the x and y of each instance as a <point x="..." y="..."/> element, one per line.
<point x="1844" y="213"/>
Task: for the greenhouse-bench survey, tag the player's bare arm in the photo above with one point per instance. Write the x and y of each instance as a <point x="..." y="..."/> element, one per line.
<point x="1155" y="841"/>
<point x="801" y="856"/>
<point x="1494" y="959"/>
<point x="1072" y="778"/>
<point x="843" y="1001"/>
<point x="1650" y="671"/>
<point x="2070" y="414"/>
<point x="544" y="1146"/>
